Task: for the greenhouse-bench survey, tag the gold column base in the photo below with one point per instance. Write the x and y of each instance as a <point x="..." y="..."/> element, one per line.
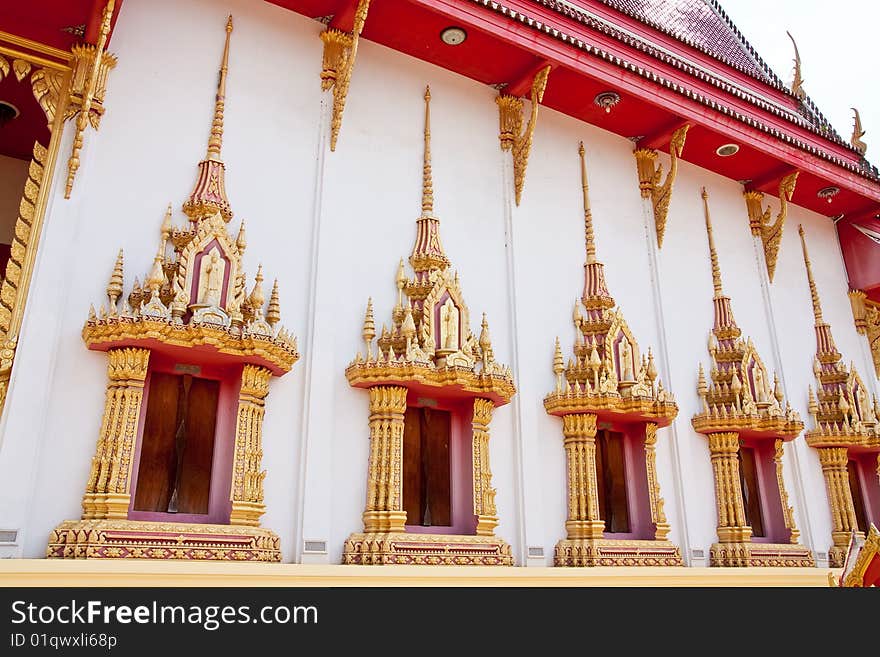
<point x="404" y="548"/>
<point x="131" y="539"/>
<point x="616" y="552"/>
<point x="734" y="534"/>
<point x="246" y="514"/>
<point x="746" y="554"/>
<point x="584" y="529"/>
<point x="106" y="505"/>
<point x="486" y="525"/>
<point x="384" y="521"/>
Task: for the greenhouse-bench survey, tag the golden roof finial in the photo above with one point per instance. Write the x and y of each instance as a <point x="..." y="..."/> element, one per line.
<point x="716" y="270"/>
<point x="588" y="215"/>
<point x="797" y="83"/>
<point x="273" y="312"/>
<point x="427" y="180"/>
<point x="114" y="287"/>
<point x="814" y="294"/>
<point x="257" y="297"/>
<point x="857" y="133"/>
<point x="216" y="139"/>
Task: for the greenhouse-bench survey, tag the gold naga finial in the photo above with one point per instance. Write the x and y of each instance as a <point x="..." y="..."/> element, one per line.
<point x="858" y="133"/>
<point x="797" y="83"/>
<point x="215" y="141"/>
<point x="814" y="294"/>
<point x="427" y="178"/>
<point x="713" y="254"/>
<point x="88" y="97"/>
<point x="588" y="215"/>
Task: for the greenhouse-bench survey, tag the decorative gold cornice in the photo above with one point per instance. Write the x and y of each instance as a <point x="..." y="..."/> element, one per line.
<point x="35" y="47"/>
<point x="759" y="219"/>
<point x="651" y="173"/>
<point x="843" y="412"/>
<point x="430" y="340"/>
<point x="88" y="96"/>
<point x="340" y="52"/>
<point x="606" y="375"/>
<point x="513" y="137"/>
<point x="740" y="397"/>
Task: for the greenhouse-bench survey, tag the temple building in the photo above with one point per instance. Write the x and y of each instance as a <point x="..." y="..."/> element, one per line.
<point x="220" y="355"/>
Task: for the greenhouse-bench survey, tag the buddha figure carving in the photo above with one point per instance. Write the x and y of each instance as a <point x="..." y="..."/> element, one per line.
<point x="449" y="326"/>
<point x="211" y="279"/>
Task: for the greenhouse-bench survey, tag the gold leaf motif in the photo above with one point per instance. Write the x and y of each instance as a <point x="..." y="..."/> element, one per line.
<point x="46" y="84"/>
<point x="21" y="68"/>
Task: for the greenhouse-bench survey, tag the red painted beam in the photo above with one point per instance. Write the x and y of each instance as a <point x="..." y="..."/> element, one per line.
<point x="93" y="22"/>
<point x="343" y="17"/>
<point x="662" y="137"/>
<point x="522" y="86"/>
<point x="769" y="182"/>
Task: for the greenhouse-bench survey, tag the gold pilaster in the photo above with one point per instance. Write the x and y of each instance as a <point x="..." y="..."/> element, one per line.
<point x="583" y="521"/>
<point x="384" y="511"/>
<point x="247" y="473"/>
<point x="843" y="516"/>
<point x="732" y="527"/>
<point x="658" y="515"/>
<point x="108" y="493"/>
<point x="484" y="494"/>
<point x="650" y="174"/>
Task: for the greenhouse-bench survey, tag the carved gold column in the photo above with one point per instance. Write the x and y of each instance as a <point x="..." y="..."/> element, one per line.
<point x="384" y="512"/>
<point x="247" y="473"/>
<point x="484" y="494"/>
<point x="108" y="488"/>
<point x="732" y="527"/>
<point x="843" y="516"/>
<point x="787" y="510"/>
<point x="583" y="521"/>
<point x="658" y="516"/>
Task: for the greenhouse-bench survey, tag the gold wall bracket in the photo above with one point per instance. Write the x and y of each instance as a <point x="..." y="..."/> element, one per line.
<point x="759" y="219"/>
<point x="866" y="315"/>
<point x="88" y="87"/>
<point x="650" y="174"/>
<point x="512" y="135"/>
<point x="340" y="51"/>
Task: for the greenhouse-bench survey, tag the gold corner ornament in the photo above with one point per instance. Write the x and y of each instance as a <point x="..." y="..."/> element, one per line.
<point x="797" y="82"/>
<point x="512" y="135"/>
<point x="650" y="174"/>
<point x="340" y="52"/>
<point x="88" y="77"/>
<point x="760" y="223"/>
<point x="857" y="133"/>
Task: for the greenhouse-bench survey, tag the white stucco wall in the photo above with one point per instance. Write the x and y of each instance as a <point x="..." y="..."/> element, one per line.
<point x="13" y="174"/>
<point x="332" y="226"/>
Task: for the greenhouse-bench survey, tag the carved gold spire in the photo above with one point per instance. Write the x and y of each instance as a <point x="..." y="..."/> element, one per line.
<point x="273" y="312"/>
<point x="814" y="294"/>
<point x="427" y="254"/>
<point x="114" y="287"/>
<point x="209" y="195"/>
<point x="588" y="215"/>
<point x="595" y="294"/>
<point x="713" y="254"/>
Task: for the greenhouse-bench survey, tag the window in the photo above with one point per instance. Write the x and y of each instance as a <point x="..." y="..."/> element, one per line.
<point x="611" y="481"/>
<point x="426" y="467"/>
<point x="174" y="475"/>
<point x="855" y="488"/>
<point x="751" y="493"/>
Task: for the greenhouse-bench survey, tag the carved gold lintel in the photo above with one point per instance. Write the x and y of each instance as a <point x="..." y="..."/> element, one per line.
<point x="511" y="133"/>
<point x="732" y="527"/>
<point x="759" y="219"/>
<point x="89" y="89"/>
<point x="247" y="473"/>
<point x="340" y="51"/>
<point x="787" y="510"/>
<point x="107" y="490"/>
<point x="650" y="174"/>
<point x="384" y="511"/>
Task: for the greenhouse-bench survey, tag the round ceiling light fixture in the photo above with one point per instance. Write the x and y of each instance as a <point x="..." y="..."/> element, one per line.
<point x="453" y="36"/>
<point x="828" y="192"/>
<point x="8" y="111"/>
<point x="606" y="100"/>
<point x="727" y="150"/>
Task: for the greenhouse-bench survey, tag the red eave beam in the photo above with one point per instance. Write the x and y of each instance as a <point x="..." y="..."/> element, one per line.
<point x="769" y="181"/>
<point x="343" y="17"/>
<point x="522" y="86"/>
<point x="691" y="111"/>
<point x="93" y="22"/>
<point x="661" y="137"/>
